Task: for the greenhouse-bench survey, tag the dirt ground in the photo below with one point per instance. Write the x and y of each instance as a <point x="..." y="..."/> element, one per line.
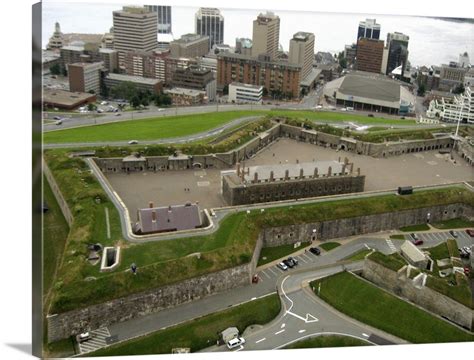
<point x="168" y="188"/>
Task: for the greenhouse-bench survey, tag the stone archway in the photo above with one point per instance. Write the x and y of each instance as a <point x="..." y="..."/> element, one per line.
<point x="197" y="165"/>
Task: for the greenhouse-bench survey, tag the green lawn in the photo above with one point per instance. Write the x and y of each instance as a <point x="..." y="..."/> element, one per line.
<point x="419" y="227"/>
<point x="59" y="349"/>
<point x="277" y="252"/>
<point x="327" y="341"/>
<point x="199" y="333"/>
<point x="393" y="261"/>
<point x="55" y="232"/>
<point x="454" y="224"/>
<point x="336" y="117"/>
<point x="439" y="252"/>
<point x="397" y="237"/>
<point x="460" y="292"/>
<point x="147" y="129"/>
<point x="375" y="307"/>
<point x="452" y="245"/>
<point x="328" y="246"/>
<point x="360" y="255"/>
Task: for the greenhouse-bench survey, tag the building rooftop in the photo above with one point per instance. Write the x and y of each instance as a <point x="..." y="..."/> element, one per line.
<point x="370" y="86"/>
<point x="257" y="59"/>
<point x="412" y="252"/>
<point x="184" y="91"/>
<point x="65" y="98"/>
<point x="73" y="48"/>
<point x="312" y="76"/>
<point x="171" y="218"/>
<point x="134" y="79"/>
<point x="189" y="38"/>
<point x="302" y="36"/>
<point x="248" y="86"/>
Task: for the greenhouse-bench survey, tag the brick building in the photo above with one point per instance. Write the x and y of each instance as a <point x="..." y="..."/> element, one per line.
<point x="85" y="77"/>
<point x="197" y="78"/>
<point x="275" y="77"/>
<point x="369" y="55"/>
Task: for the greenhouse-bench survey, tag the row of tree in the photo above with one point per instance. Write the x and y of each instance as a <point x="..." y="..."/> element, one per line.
<point x="138" y="97"/>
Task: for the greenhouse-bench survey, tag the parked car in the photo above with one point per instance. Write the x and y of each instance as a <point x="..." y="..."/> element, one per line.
<point x="370" y="115"/>
<point x="463" y="254"/>
<point x="467" y="270"/>
<point x="470" y="232"/>
<point x="453" y="233"/>
<point x="83" y="337"/>
<point x="288" y="263"/>
<point x="233" y="343"/>
<point x="282" y="266"/>
<point x="418" y="242"/>
<point x="315" y="250"/>
<point x="291" y="262"/>
<point x="414" y="236"/>
<point x="467" y="249"/>
<point x="104" y="103"/>
<point x="57" y="118"/>
<point x="118" y="114"/>
<point x="133" y="142"/>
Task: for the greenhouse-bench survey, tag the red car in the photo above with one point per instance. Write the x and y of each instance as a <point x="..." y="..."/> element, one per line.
<point x="418" y="242"/>
<point x="470" y="232"/>
<point x="467" y="270"/>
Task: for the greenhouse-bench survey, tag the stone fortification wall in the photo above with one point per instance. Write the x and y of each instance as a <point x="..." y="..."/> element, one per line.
<point x="399" y="284"/>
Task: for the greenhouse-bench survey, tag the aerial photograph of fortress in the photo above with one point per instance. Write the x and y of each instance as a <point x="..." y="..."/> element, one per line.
<point x="221" y="180"/>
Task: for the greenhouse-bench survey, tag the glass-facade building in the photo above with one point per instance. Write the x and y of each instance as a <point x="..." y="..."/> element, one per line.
<point x="210" y="22"/>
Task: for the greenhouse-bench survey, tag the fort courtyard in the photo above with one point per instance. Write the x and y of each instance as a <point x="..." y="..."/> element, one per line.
<point x="165" y="188"/>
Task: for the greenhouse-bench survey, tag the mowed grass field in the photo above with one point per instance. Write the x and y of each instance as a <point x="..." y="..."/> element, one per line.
<point x="147" y="129"/>
<point x="183" y="125"/>
<point x="375" y="307"/>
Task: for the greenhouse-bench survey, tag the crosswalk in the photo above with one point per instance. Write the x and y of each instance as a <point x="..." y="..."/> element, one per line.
<point x="390" y="245"/>
<point x="97" y="341"/>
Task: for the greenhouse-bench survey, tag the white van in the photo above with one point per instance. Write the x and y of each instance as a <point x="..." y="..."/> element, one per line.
<point x="233" y="343"/>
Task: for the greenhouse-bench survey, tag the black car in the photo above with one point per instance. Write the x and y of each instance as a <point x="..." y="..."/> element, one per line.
<point x="315" y="250"/>
<point x="291" y="260"/>
<point x="288" y="263"/>
<point x="453" y="233"/>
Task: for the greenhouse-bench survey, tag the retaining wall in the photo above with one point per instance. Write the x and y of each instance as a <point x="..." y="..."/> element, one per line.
<point x="58" y="195"/>
<point x="400" y="285"/>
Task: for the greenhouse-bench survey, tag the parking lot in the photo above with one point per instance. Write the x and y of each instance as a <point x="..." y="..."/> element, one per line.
<point x="167" y="188"/>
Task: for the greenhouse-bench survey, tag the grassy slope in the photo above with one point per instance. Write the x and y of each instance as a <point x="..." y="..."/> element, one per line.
<point x="419" y="227"/>
<point x="199" y="333"/>
<point x="382" y="310"/>
<point x="327" y="341"/>
<point x="360" y="255"/>
<point x="147" y="129"/>
<point x="182" y="125"/>
<point x="55" y="232"/>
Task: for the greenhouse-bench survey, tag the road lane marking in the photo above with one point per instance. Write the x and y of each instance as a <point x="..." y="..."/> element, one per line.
<point x="307" y="257"/>
<point x="271" y="270"/>
<point x="254" y="298"/>
<point x="279" y="332"/>
<point x="301" y="258"/>
<point x="259" y="341"/>
<point x="364" y="334"/>
<point x="309" y="318"/>
<point x="282" y="326"/>
<point x="368" y="247"/>
<point x="268" y="276"/>
<point x="301" y="331"/>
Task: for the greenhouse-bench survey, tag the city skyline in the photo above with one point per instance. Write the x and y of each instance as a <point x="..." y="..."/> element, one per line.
<point x="424" y="49"/>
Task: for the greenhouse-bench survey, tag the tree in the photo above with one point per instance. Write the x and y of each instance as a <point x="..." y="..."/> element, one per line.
<point x="135" y="101"/>
<point x="421" y="90"/>
<point x="145" y="101"/>
<point x="91" y="107"/>
<point x="225" y="90"/>
<point x="459" y="89"/>
<point x="55" y="69"/>
<point x="64" y="71"/>
<point x="343" y="63"/>
<point x="265" y="92"/>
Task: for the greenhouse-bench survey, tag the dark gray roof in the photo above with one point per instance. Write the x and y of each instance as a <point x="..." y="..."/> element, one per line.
<point x="370" y="86"/>
<point x="172" y="218"/>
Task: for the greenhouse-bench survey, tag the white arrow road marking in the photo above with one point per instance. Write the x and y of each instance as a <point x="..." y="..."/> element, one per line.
<point x="279" y="332"/>
<point x="282" y="326"/>
<point x="309" y="318"/>
<point x="258" y="341"/>
<point x="302" y="331"/>
<point x="240" y="348"/>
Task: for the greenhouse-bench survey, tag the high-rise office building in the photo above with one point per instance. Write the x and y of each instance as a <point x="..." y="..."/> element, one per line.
<point x="134" y="29"/>
<point x="368" y="29"/>
<point x="210" y="22"/>
<point x="164" y="17"/>
<point x="266" y="35"/>
<point x="397" y="45"/>
<point x="302" y="52"/>
<point x="369" y="55"/>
